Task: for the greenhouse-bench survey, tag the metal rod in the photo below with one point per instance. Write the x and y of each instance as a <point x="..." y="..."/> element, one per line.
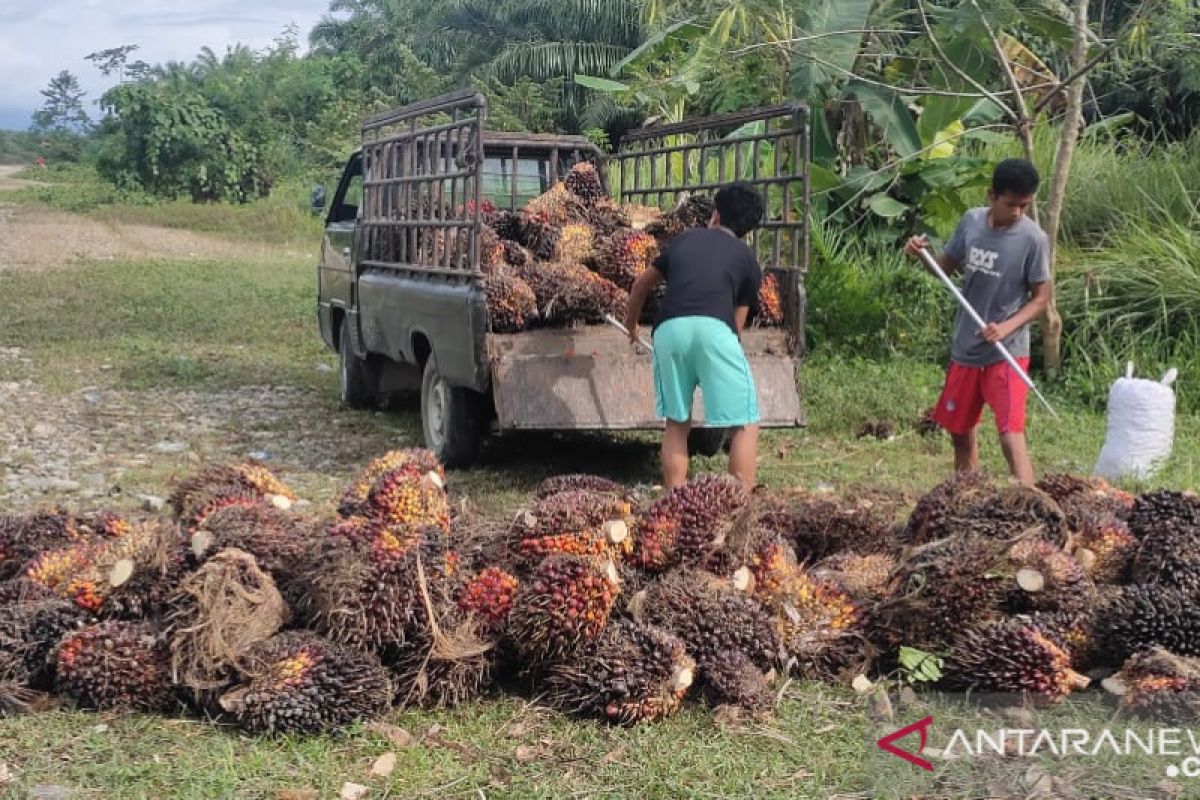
<point x="611" y="320"/>
<point x="933" y="266"/>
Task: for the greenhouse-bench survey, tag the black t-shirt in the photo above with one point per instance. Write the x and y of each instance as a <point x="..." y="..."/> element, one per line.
<point x="709" y="273"/>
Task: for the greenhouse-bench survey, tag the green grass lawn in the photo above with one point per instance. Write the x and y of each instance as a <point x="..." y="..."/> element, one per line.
<point x="208" y="326"/>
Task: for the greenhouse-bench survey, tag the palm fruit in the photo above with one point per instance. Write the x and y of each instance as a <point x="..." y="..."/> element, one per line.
<point x="491" y="252"/>
<point x="1082" y="497"/>
<point x="612" y="540"/>
<point x="607" y="217"/>
<point x="511" y="304"/>
<point x="506" y="224"/>
<point x="1104" y="547"/>
<point x="1140" y="617"/>
<point x="1164" y="510"/>
<point x="157" y="564"/>
<point x="217" y="612"/>
<point x="279" y="542"/>
<point x="193" y="495"/>
<point x="556" y="206"/>
<point x="639" y="217"/>
<point x="298" y="682"/>
<point x="584" y="182"/>
<point x="930" y="518"/>
<point x="685" y="523"/>
<point x="756" y="559"/>
<point x="565" y="604"/>
<point x="695" y="210"/>
<point x="575" y="483"/>
<point x="539" y="233"/>
<point x="23" y="590"/>
<point x="731" y="678"/>
<point x="1168" y="557"/>
<point x="404" y="497"/>
<point x="665" y="228"/>
<point x="106" y="524"/>
<point x="941" y="585"/>
<point x="866" y="578"/>
<point x="386" y="542"/>
<point x="514" y="254"/>
<point x="1159" y="684"/>
<point x="1044" y="578"/>
<point x="1010" y="656"/>
<point x="489" y="596"/>
<point x="633" y="673"/>
<point x="817" y="623"/>
<point x="209" y="501"/>
<point x="826" y="526"/>
<point x="770" y="302"/>
<point x="576" y="241"/>
<point x="624" y="256"/>
<point x="415" y="460"/>
<point x="572" y="511"/>
<point x="1076" y="632"/>
<point x="571" y="294"/>
<point x="115" y="665"/>
<point x="710" y="616"/>
<point x="29" y="632"/>
<point x="973" y="506"/>
<point x="23" y="536"/>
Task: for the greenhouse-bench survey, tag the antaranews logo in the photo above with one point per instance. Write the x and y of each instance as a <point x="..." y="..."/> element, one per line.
<point x="921" y="726"/>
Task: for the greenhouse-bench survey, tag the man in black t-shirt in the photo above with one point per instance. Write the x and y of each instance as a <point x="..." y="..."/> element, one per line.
<point x="712" y="288"/>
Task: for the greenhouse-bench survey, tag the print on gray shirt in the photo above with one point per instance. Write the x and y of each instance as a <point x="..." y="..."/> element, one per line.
<point x="999" y="268"/>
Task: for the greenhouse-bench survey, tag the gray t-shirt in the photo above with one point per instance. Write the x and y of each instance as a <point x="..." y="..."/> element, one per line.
<point x="999" y="268"/>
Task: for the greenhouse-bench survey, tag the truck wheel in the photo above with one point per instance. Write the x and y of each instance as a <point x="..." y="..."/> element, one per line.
<point x="358" y="379"/>
<point x="706" y="441"/>
<point x="451" y="419"/>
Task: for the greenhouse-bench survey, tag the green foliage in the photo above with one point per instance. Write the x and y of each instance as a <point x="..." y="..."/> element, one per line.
<point x="57" y="147"/>
<point x="917" y="666"/>
<point x="63" y="106"/>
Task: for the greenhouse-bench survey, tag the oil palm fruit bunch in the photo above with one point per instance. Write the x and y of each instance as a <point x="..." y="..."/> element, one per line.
<point x="299" y="682"/>
<point x="682" y="524"/>
<point x="576" y="241"/>
<point x="584" y="182"/>
<point x="511" y="304"/>
<point x="932" y="517"/>
<point x="22" y="590"/>
<point x="624" y="256"/>
<point x="612" y="539"/>
<point x="105" y="524"/>
<point x="607" y="217"/>
<point x="818" y="624"/>
<point x="578" y="295"/>
<point x="1076" y="632"/>
<point x="489" y="596"/>
<point x="385" y="542"/>
<point x="115" y="665"/>
<point x="212" y="499"/>
<point x="1080" y="497"/>
<point x="827" y="526"/>
<point x="557" y="205"/>
<point x="402" y="496"/>
<point x="571" y="511"/>
<point x="565" y="604"/>
<point x="514" y="254"/>
<point x="23" y="536"/>
<point x="280" y="543"/>
<point x="633" y="673"/>
<point x="731" y="678"/>
<point x="1140" y="617"/>
<point x="865" y="578"/>
<point x="1159" y="684"/>
<point x="696" y="210"/>
<point x="1104" y="547"/>
<point x="506" y="223"/>
<point x="491" y="252"/>
<point x="1168" y="556"/>
<point x="756" y="559"/>
<point x="1011" y="656"/>
<point x="195" y="493"/>
<point x="539" y="233"/>
<point x="413" y="460"/>
<point x="1164" y="511"/>
<point x="710" y="615"/>
<point x="1045" y="578"/>
<point x="157" y="565"/>
<point x="29" y="632"/>
<point x="577" y="483"/>
<point x="770" y="302"/>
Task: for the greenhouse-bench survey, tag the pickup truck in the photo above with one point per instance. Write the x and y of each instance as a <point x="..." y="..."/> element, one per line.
<point x="399" y="280"/>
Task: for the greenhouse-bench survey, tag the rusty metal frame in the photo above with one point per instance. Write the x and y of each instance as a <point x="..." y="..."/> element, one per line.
<point x="422" y="181"/>
<point x="782" y="243"/>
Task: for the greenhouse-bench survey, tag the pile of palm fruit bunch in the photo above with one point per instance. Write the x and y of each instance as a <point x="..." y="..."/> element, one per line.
<point x="572" y="254"/>
<point x="602" y="600"/>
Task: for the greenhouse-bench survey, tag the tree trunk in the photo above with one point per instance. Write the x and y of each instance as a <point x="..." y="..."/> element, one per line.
<point x="1072" y="122"/>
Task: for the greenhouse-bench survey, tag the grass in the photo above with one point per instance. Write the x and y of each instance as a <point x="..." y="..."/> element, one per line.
<point x="206" y="326"/>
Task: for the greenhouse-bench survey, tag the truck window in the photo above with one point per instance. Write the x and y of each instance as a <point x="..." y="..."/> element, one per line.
<point x="531" y="174"/>
<point x="350" y="194"/>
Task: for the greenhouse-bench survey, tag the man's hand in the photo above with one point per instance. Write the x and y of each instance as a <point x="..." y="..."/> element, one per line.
<point x="914" y="245"/>
<point x="997" y="332"/>
<point x="632" y="327"/>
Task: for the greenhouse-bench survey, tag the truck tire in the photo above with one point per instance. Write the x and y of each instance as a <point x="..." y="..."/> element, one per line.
<point x="358" y="378"/>
<point x="706" y="441"/>
<point x="451" y="419"/>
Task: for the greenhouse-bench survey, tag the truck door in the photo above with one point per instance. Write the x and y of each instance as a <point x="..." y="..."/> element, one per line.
<point x="339" y="245"/>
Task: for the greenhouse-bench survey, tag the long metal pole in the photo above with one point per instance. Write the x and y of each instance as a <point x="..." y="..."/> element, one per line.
<point x="936" y="269"/>
<point x="611" y="320"/>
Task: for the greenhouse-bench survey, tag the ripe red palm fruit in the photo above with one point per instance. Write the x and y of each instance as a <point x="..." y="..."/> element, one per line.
<point x="1009" y="656"/>
<point x="116" y="665"/>
<point x="565" y="603"/>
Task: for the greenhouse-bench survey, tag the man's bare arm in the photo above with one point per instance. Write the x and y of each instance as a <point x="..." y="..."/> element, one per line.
<point x="638" y="294"/>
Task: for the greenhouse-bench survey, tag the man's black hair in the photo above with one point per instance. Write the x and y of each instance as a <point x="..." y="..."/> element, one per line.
<point x="740" y="207"/>
<point x="1015" y="176"/>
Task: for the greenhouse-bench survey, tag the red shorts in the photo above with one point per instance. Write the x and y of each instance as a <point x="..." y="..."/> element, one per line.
<point x="968" y="388"/>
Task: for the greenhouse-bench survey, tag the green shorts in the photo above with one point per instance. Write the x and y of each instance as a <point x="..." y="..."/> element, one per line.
<point x="704" y="352"/>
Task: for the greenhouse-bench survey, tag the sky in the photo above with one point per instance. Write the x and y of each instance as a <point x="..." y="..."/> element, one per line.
<point x="39" y="38"/>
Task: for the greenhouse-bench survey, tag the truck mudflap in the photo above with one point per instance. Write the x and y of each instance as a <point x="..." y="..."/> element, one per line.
<point x="590" y="378"/>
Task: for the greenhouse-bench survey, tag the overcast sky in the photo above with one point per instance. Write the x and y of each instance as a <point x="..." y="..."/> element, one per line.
<point x="38" y="38"/>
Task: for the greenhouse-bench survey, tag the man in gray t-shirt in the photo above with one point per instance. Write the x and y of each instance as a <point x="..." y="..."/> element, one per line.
<point x="1005" y="259"/>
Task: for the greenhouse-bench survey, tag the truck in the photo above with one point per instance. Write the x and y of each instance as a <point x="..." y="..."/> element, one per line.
<point x="399" y="280"/>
